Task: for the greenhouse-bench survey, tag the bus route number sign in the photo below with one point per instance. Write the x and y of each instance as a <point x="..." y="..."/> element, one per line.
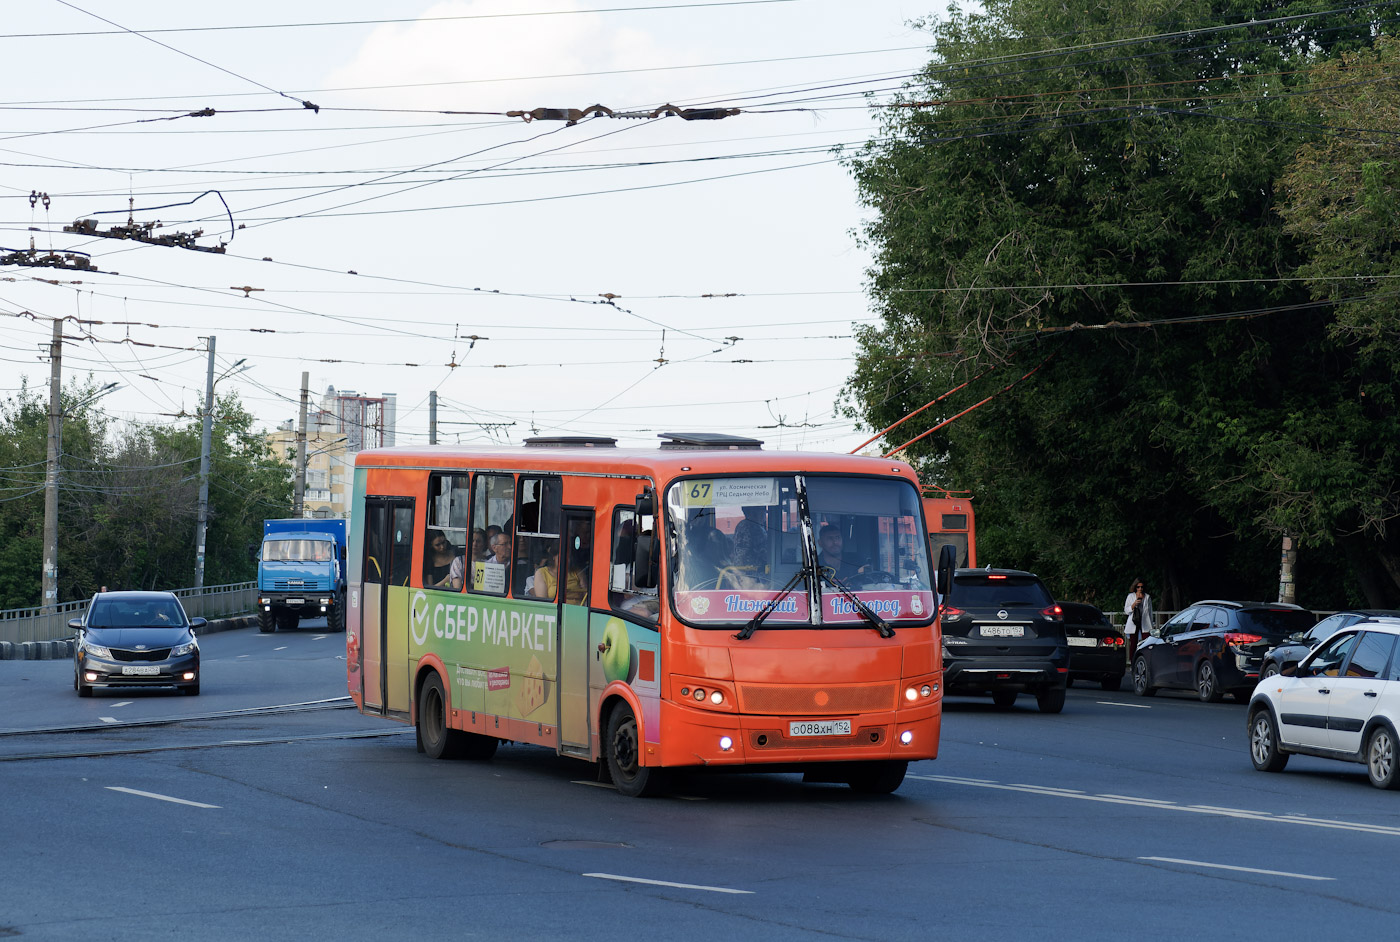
<point x="730" y="492"/>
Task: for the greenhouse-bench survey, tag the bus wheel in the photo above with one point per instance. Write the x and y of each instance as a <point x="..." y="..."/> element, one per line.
<point x="265" y="622"/>
<point x="623" y="747"/>
<point x="878" y="778"/>
<point x="434" y="738"/>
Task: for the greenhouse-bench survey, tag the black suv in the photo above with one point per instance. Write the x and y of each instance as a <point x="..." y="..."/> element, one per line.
<point x="1003" y="634"/>
<point x="1215" y="647"/>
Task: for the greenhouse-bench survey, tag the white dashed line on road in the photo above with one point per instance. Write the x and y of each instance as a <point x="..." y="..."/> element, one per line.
<point x="1216" y="866"/>
<point x="178" y="801"/>
<point x="1131" y="706"/>
<point x="109" y="719"/>
<point x="679" y="886"/>
<point x="123" y="703"/>
<point x="282" y="648"/>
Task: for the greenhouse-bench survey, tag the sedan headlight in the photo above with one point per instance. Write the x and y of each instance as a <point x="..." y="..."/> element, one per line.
<point x="187" y="648"/>
<point x="97" y="650"/>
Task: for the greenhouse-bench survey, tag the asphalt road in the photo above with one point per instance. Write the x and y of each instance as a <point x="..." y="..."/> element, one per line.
<point x="265" y="809"/>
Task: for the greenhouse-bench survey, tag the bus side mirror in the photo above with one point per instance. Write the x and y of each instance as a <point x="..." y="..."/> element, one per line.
<point x="947" y="564"/>
<point x="645" y="558"/>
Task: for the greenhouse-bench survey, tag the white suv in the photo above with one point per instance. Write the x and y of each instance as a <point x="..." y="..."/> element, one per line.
<point x="1341" y="702"/>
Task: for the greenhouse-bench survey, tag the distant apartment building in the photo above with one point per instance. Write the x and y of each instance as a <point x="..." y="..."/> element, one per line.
<point x="344" y="424"/>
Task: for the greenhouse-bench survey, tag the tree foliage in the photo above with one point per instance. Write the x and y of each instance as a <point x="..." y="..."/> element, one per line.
<point x="128" y="498"/>
<point x="1058" y="193"/>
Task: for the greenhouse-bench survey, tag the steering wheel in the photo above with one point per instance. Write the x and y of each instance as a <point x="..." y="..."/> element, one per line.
<point x="873" y="577"/>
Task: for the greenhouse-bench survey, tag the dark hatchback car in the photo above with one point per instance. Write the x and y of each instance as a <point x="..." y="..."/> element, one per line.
<point x="1215" y="647"/>
<point x="1003" y="635"/>
<point x="135" y="639"/>
<point x="1299" y="644"/>
<point x="1097" y="650"/>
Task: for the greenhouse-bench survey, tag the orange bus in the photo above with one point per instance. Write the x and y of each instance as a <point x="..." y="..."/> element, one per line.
<point x="648" y="609"/>
<point x="950" y="521"/>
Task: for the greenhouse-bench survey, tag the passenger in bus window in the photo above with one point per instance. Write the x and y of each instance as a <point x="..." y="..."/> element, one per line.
<point x="500" y="549"/>
<point x="438" y="559"/>
<point x="478" y="550"/>
<point x="546" y="578"/>
<point x="488" y="537"/>
<point x="748" y="563"/>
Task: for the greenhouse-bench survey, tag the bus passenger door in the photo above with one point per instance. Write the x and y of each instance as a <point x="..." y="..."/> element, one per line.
<point x="387" y="557"/>
<point x="575" y="702"/>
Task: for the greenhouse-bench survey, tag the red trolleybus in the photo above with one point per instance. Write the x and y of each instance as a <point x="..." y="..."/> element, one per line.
<point x="704" y="603"/>
<point x="950" y="521"/>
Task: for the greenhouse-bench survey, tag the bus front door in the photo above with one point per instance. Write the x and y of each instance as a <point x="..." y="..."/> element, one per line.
<point x="387" y="558"/>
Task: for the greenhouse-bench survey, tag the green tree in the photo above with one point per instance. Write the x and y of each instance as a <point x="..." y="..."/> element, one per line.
<point x="1058" y="193"/>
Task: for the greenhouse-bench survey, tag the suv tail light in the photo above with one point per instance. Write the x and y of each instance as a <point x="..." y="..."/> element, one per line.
<point x="1236" y="638"/>
<point x="951" y="612"/>
<point x="1054" y="612"/>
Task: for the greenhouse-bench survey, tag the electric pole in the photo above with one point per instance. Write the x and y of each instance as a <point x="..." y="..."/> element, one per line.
<point x="50" y="577"/>
<point x="201" y="524"/>
<point x="299" y="485"/>
<point x="432" y="417"/>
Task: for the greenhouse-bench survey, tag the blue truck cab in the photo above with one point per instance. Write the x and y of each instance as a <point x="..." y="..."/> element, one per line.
<point x="301" y="573"/>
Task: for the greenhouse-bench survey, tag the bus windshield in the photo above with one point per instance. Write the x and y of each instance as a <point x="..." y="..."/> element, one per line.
<point x="798" y="550"/>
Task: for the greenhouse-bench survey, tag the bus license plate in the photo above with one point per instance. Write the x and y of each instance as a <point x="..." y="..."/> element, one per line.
<point x="130" y="670"/>
<point x="820" y="728"/>
<point x="1003" y="631"/>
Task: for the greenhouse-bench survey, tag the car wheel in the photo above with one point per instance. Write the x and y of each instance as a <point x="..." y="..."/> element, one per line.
<point x="1004" y="699"/>
<point x="1112" y="682"/>
<point x="191" y="691"/>
<point x="623" y="745"/>
<point x="1050" y="699"/>
<point x="1140" y="685"/>
<point x="878" y="778"/>
<point x="266" y="623"/>
<point x="1382" y="762"/>
<point x="1207" y="684"/>
<point x="434" y="738"/>
<point x="83" y="689"/>
<point x="1069" y="681"/>
<point x="1263" y="743"/>
<point x="1270" y="670"/>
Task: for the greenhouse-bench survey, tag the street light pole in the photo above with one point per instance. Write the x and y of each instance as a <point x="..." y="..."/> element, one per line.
<point x="50" y="577"/>
<point x="200" y="525"/>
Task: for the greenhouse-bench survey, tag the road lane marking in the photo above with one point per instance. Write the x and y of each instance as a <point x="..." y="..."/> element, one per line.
<point x="1216" y="866"/>
<point x="1160" y="805"/>
<point x="243" y="655"/>
<point x="594" y="784"/>
<point x="282" y="648"/>
<point x="178" y="801"/>
<point x="1131" y="706"/>
<point x="123" y="703"/>
<point x="679" y="886"/>
<point x="320" y="638"/>
<point x="109" y="719"/>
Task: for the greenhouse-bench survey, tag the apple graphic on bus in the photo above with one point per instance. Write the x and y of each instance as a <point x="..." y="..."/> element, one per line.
<point x="616" y="651"/>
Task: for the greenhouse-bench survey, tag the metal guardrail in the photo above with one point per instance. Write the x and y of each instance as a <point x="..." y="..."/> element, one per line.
<point x="37" y="624"/>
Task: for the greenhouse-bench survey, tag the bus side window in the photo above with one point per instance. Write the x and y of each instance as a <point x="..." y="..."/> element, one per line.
<point x="537" y="537"/>
<point x="493" y="510"/>
<point x="623" y="593"/>
<point x="445" y="538"/>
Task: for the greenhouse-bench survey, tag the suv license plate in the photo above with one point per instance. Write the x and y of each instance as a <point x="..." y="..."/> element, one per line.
<point x="129" y="670"/>
<point x="1003" y="631"/>
<point x="820" y="728"/>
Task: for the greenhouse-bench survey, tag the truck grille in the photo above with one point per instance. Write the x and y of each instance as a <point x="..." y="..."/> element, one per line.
<point x="300" y="585"/>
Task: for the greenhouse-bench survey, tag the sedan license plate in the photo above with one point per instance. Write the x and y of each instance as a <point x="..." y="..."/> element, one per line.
<point x="1083" y="642"/>
<point x="820" y="728"/>
<point x="1003" y="631"/>
<point x="130" y="670"/>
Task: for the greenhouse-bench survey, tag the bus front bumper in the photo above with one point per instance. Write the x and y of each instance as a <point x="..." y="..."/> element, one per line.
<point x="701" y="737"/>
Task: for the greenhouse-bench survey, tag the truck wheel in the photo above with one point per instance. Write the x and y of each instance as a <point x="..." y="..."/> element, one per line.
<point x="265" y="623"/>
<point x="336" y="618"/>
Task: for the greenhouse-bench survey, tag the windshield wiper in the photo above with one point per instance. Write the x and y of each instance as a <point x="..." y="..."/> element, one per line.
<point x="882" y="626"/>
<point x="747" y="631"/>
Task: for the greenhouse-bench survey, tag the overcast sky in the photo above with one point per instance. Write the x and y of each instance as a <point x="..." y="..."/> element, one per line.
<point x="379" y="234"/>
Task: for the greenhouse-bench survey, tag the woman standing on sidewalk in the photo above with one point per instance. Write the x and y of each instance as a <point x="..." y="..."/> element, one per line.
<point x="1138" y="608"/>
